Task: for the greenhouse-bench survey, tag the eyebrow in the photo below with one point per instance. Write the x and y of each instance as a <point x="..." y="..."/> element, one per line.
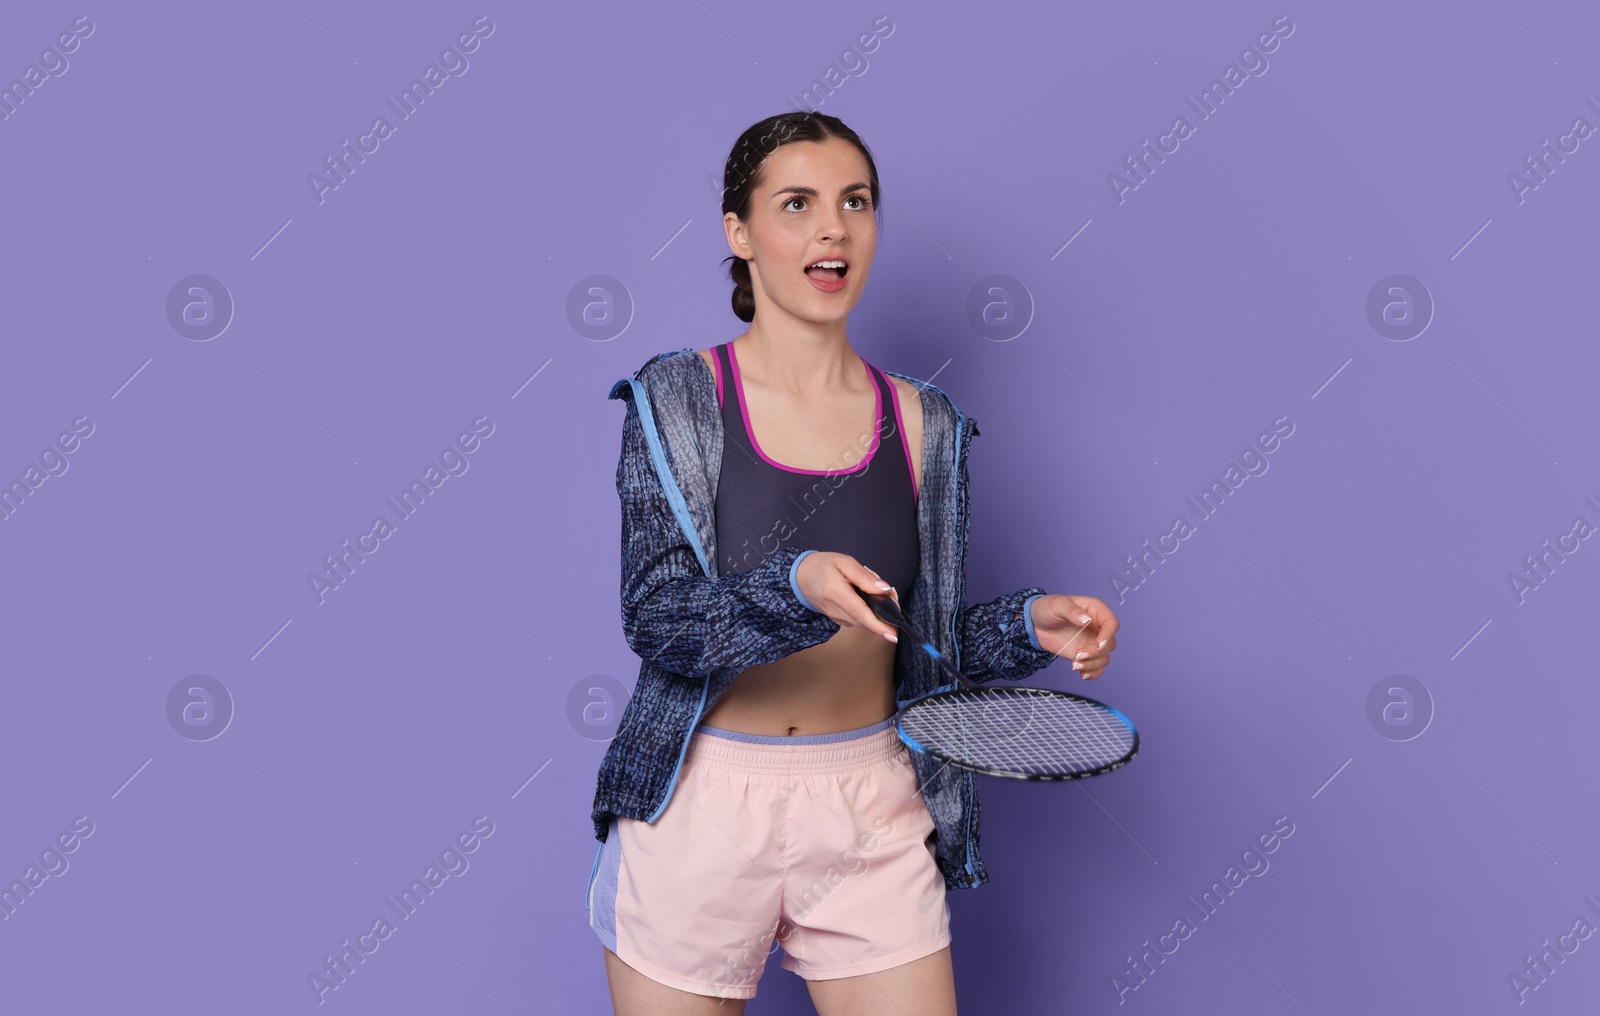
<point x="812" y="192"/>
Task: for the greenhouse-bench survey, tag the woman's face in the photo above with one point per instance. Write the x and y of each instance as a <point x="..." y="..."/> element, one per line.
<point x="812" y="202"/>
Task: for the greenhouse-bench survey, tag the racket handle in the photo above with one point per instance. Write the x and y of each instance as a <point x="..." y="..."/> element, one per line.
<point x="883" y="607"/>
<point x="888" y="611"/>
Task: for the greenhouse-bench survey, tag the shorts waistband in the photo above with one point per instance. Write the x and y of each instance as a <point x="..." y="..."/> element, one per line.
<point x="832" y="752"/>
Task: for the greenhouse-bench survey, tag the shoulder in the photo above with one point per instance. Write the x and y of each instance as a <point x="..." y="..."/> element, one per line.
<point x="674" y="370"/>
<point x="907" y="392"/>
<point x="908" y="402"/>
<point x="935" y="406"/>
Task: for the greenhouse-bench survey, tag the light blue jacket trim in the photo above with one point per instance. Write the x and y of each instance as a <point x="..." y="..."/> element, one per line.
<point x="669" y="483"/>
<point x="680" y="510"/>
<point x="672" y="785"/>
<point x="1027" y="615"/>
<point x="794" y="580"/>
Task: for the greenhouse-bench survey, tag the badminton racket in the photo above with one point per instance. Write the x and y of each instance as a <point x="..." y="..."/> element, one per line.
<point x="1008" y="730"/>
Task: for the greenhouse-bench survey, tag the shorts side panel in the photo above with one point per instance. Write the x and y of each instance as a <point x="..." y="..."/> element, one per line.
<point x="603" y="890"/>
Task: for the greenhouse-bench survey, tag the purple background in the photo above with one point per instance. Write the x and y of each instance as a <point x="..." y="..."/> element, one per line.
<point x="445" y="678"/>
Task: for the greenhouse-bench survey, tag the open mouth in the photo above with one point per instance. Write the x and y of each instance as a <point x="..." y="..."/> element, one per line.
<point x="828" y="268"/>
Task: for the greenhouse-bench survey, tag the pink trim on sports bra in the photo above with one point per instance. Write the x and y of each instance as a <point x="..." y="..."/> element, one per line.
<point x="877" y="414"/>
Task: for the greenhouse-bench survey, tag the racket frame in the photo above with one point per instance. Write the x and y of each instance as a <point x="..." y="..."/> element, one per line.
<point x="976" y="692"/>
<point x="887" y="610"/>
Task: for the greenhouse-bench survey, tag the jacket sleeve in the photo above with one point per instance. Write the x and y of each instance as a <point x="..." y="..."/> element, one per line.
<point x="998" y="641"/>
<point x="681" y="619"/>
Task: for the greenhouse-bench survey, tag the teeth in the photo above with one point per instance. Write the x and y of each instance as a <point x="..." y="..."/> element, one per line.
<point x="826" y="264"/>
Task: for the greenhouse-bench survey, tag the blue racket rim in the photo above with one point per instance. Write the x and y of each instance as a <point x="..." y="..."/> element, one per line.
<point x="1009" y="691"/>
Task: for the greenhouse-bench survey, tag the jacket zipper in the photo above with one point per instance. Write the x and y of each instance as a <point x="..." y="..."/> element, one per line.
<point x="955" y="612"/>
<point x="955" y="508"/>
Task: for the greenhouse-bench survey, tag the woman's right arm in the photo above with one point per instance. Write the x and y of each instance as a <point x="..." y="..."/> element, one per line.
<point x="675" y="615"/>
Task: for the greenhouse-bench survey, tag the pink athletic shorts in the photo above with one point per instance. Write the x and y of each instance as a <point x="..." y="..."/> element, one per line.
<point x="820" y="842"/>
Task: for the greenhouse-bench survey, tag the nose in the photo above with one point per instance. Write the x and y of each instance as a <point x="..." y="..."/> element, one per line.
<point x="833" y="228"/>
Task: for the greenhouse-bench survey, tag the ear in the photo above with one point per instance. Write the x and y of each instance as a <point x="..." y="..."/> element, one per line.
<point x="738" y="239"/>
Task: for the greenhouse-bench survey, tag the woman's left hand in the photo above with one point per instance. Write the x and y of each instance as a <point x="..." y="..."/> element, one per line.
<point x="1078" y="628"/>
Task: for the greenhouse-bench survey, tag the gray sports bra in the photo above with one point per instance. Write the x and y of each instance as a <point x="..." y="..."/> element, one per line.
<point x="868" y="510"/>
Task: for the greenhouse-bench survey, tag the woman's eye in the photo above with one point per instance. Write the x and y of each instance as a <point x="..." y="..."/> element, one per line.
<point x="861" y="202"/>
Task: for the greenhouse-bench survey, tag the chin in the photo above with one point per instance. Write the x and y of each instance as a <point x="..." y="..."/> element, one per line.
<point x="831" y="315"/>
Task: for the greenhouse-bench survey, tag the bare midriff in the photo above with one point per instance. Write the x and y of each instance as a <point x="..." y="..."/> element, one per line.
<point x="841" y="684"/>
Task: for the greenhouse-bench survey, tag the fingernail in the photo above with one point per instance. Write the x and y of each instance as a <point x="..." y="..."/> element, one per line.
<point x="891" y="637"/>
<point x="1103" y="643"/>
<point x="883" y="585"/>
<point x="1082" y="655"/>
<point x="1076" y="665"/>
<point x="1085" y="619"/>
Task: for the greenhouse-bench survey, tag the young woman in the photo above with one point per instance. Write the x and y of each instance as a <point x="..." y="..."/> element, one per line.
<point x="756" y="791"/>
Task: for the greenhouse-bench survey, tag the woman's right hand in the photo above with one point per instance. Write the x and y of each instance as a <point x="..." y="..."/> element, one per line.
<point x="829" y="581"/>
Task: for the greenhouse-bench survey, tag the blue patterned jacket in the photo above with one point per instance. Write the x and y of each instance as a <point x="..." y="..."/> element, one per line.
<point x="695" y="631"/>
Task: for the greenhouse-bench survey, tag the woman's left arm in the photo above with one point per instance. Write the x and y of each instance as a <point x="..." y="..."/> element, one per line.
<point x="996" y="641"/>
<point x="1016" y="635"/>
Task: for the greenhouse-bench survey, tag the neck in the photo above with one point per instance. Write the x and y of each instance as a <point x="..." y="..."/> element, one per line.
<point x="804" y="362"/>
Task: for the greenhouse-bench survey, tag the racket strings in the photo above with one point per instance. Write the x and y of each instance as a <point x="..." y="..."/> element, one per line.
<point x="1021" y="732"/>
